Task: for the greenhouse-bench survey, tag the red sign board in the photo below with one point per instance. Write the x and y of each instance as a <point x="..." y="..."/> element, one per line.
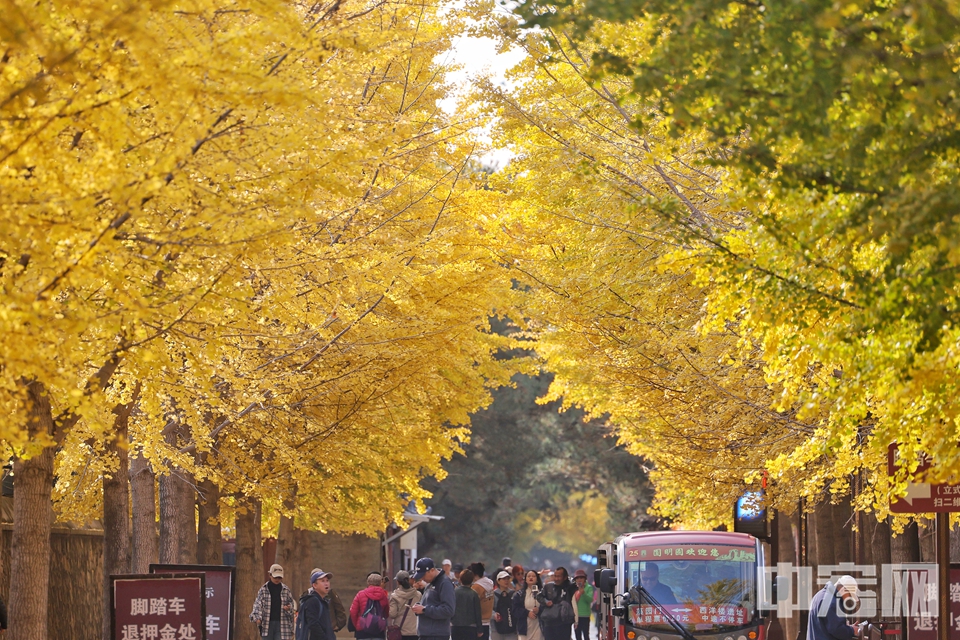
<point x="219" y="590"/>
<point x="922" y="497"/>
<point x="158" y="607"/>
<point x="922" y="625"/>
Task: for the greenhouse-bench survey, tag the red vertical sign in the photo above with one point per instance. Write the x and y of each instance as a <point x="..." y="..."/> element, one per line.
<point x="924" y="627"/>
<point x="219" y="593"/>
<point x="153" y="607"/>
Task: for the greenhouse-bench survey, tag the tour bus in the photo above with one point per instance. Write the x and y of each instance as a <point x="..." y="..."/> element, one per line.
<point x="709" y="586"/>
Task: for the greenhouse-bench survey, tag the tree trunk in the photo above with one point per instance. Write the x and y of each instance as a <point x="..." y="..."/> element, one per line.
<point x="906" y="546"/>
<point x="116" y="508"/>
<point x="144" y="499"/>
<point x="249" y="568"/>
<point x="787" y="534"/>
<point x="32" y="521"/>
<point x="178" y="517"/>
<point x="209" y="541"/>
<point x="825" y="532"/>
<point x="928" y="541"/>
<point x="286" y="541"/>
<point x="843" y="527"/>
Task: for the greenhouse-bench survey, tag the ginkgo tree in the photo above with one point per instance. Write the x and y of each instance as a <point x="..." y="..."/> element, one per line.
<point x="836" y="125"/>
<point x="798" y="178"/>
<point x="249" y="219"/>
<point x="601" y="224"/>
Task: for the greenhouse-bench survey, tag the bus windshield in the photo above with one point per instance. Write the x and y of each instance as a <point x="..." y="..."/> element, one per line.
<point x="715" y="591"/>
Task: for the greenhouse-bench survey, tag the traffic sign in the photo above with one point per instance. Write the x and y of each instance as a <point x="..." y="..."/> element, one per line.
<point x="922" y="497"/>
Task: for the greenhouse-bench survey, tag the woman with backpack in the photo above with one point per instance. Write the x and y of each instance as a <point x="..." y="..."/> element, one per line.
<point x="402" y="598"/>
<point x="526" y="607"/>
<point x="369" y="610"/>
<point x="504" y="623"/>
<point x="557" y="614"/>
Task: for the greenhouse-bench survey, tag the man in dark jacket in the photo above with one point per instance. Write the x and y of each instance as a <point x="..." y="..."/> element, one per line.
<point x="558" y="594"/>
<point x="338" y="613"/>
<point x="436" y="608"/>
<point x="827" y="620"/>
<point x="313" y="623"/>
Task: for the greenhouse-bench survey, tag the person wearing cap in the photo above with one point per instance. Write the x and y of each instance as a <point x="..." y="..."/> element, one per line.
<point x="438" y="604"/>
<point x="401" y="600"/>
<point x="273" y="608"/>
<point x="504" y="625"/>
<point x="338" y="613"/>
<point x="314" y="622"/>
<point x="448" y="568"/>
<point x="828" y="618"/>
<point x="583" y="599"/>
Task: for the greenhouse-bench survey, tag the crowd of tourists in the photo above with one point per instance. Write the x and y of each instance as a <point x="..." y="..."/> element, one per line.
<point x="446" y="602"/>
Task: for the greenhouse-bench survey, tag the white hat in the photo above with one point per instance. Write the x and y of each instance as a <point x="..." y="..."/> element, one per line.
<point x="276" y="571"/>
<point x="447" y="561"/>
<point x="849" y="583"/>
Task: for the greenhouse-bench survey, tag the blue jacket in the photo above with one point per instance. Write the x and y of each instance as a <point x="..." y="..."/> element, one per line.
<point x="439" y="604"/>
<point x="826" y="621"/>
<point x="313" y="622"/>
<point x="520" y="613"/>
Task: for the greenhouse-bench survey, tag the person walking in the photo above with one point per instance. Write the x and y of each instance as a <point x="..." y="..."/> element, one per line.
<point x="436" y="608"/>
<point x="273" y="608"/>
<point x="556" y="600"/>
<point x="828" y="620"/>
<point x="484" y="587"/>
<point x="467" y="624"/>
<point x="370" y="608"/>
<point x="526" y="607"/>
<point x="338" y="613"/>
<point x="583" y="599"/>
<point x="402" y="598"/>
<point x="314" y="622"/>
<point x="504" y="624"/>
